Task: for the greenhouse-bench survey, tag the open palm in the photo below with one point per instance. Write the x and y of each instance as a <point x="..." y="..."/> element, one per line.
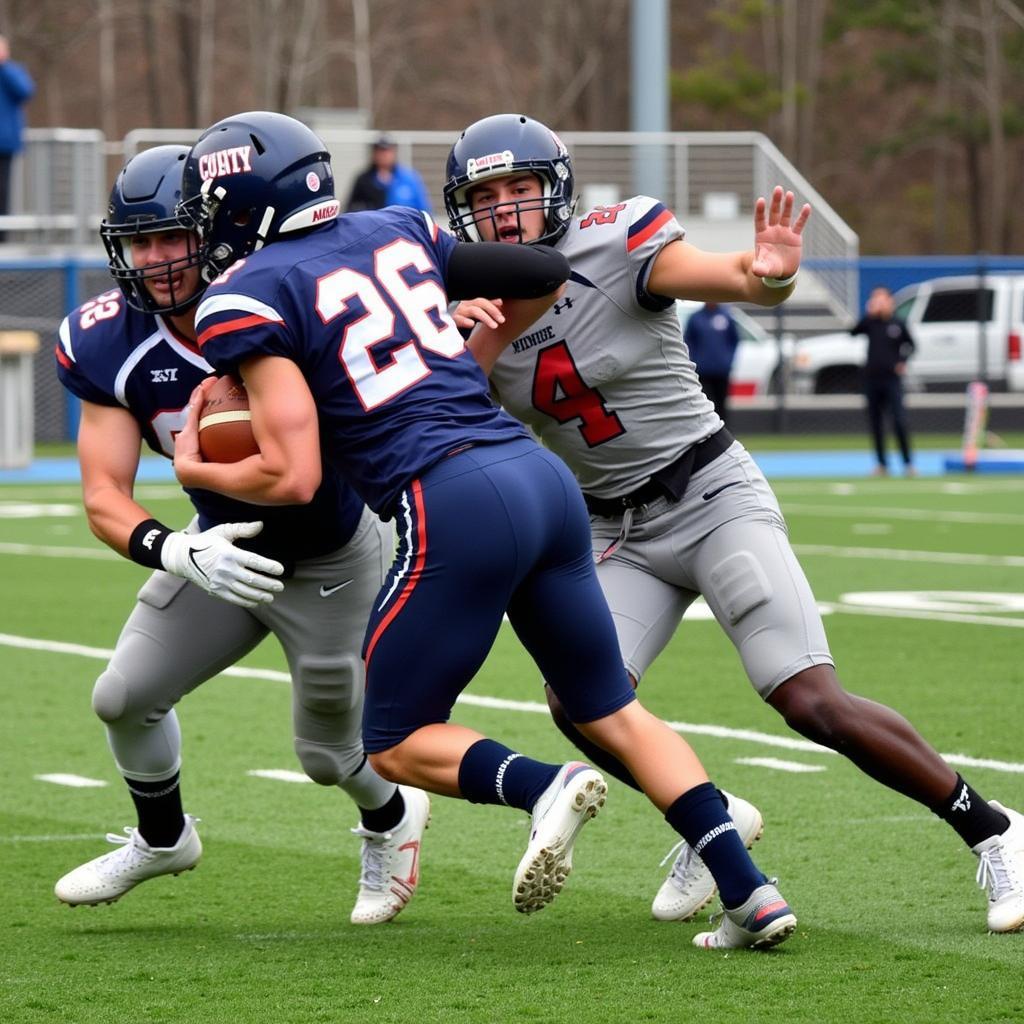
<point x="778" y="241"/>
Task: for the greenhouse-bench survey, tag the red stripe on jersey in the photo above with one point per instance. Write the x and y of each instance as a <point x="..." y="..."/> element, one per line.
<point x="414" y="576"/>
<point x="62" y="357"/>
<point x="233" y="325"/>
<point x="656" y="225"/>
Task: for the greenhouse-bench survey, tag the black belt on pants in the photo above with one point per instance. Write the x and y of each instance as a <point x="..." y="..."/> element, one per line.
<point x="669" y="482"/>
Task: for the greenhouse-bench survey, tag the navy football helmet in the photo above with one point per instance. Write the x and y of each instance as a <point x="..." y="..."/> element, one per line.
<point x="250" y="179"/>
<point x="143" y="201"/>
<point x="503" y="144"/>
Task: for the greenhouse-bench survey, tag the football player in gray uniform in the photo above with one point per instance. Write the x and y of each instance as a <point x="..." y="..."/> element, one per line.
<point x="307" y="573"/>
<point x="678" y="507"/>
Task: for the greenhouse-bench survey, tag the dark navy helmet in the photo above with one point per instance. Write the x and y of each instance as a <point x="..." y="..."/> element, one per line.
<point x="504" y="144"/>
<point x="143" y="201"/>
<point x="250" y="179"/>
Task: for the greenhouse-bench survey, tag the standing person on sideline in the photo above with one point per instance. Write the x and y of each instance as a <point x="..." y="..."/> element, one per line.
<point x="386" y="182"/>
<point x="16" y="89"/>
<point x="712" y="338"/>
<point x="889" y="347"/>
<point x="678" y="507"/>
<point x="343" y="338"/>
<point x="306" y="573"/>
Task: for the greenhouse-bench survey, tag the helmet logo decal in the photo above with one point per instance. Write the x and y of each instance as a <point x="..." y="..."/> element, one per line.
<point x="313" y="181"/>
<point x="475" y="166"/>
<point x="234" y="160"/>
<point x="326" y="212"/>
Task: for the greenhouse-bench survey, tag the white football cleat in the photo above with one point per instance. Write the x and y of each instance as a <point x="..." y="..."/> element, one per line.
<point x="575" y="796"/>
<point x="689" y="886"/>
<point x="391" y="862"/>
<point x="764" y="920"/>
<point x="107" y="878"/>
<point x="1001" y="871"/>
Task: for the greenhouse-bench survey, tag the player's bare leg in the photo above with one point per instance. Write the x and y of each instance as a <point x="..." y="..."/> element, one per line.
<point x="885" y="746"/>
<point x="455" y="761"/>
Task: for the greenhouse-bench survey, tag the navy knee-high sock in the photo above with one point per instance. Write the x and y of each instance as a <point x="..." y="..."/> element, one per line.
<point x="491" y="773"/>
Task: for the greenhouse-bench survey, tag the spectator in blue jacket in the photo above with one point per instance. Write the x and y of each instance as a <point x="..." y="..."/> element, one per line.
<point x="386" y="182"/>
<point x="16" y="89"/>
<point x="712" y="337"/>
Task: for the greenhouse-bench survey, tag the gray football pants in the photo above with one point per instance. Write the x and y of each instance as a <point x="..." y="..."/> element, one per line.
<point x="726" y="540"/>
<point x="178" y="636"/>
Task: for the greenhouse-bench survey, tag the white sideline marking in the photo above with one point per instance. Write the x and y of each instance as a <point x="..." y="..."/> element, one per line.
<point x="781" y="766"/>
<point x="903" y="555"/>
<point x="926" y="514"/>
<point x="48" y="839"/>
<point x="59" y="551"/>
<point x="530" y="707"/>
<point x="34" y="510"/>
<point x="278" y="775"/>
<point x="77" y="781"/>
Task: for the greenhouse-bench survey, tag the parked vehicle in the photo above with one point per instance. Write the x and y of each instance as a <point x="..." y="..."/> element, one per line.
<point x="954" y="344"/>
<point x="758" y="366"/>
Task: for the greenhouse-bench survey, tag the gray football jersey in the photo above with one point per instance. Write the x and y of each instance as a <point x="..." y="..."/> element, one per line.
<point x="604" y="378"/>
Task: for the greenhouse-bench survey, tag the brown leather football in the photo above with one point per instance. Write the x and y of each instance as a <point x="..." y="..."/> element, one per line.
<point x="225" y="424"/>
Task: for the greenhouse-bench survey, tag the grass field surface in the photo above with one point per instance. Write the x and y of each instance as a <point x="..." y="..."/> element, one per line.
<point x="923" y="585"/>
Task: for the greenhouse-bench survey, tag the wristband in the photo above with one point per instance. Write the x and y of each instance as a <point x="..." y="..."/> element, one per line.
<point x="146" y="543"/>
<point x="780" y="282"/>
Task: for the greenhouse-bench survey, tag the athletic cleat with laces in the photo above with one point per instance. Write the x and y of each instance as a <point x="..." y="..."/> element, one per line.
<point x="107" y="878"/>
<point x="689" y="886"/>
<point x="575" y="796"/>
<point x="1001" y="871"/>
<point x="763" y="921"/>
<point x="391" y="862"/>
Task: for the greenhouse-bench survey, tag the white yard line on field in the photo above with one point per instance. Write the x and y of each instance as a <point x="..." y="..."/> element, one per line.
<point x="778" y="765"/>
<point x="529" y="707"/>
<point x="916" y="514"/>
<point x="904" y="555"/>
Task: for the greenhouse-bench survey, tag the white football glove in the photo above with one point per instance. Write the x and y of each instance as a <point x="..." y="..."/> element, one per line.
<point x="210" y="560"/>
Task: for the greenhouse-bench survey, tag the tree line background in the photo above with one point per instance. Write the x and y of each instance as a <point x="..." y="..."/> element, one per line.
<point x="907" y="115"/>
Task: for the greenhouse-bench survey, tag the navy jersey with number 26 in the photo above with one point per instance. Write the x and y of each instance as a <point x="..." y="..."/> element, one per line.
<point x="360" y="306"/>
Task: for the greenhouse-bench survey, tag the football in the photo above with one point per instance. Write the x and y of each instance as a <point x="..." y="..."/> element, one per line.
<point x="225" y="424"/>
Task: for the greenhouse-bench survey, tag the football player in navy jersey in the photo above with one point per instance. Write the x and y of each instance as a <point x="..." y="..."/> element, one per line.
<point x="306" y="573"/>
<point x="679" y="508"/>
<point x="342" y="336"/>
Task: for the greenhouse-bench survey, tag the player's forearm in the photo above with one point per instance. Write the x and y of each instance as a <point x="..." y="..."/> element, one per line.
<point x="487" y="343"/>
<point x="257" y="479"/>
<point x="112" y="515"/>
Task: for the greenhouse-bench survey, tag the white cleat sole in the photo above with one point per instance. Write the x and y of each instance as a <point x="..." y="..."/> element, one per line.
<point x="548" y="859"/>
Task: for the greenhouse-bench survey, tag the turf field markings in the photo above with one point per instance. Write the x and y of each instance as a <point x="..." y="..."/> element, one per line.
<point x="903" y="555"/>
<point x="75" y="781"/>
<point x="916" y="514"/>
<point x="59" y="551"/>
<point x="68" y="838"/>
<point x="35" y="510"/>
<point x="779" y="765"/>
<point x="529" y="707"/>
<point x="278" y="775"/>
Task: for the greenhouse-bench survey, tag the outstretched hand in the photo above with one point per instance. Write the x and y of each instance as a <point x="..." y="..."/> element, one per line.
<point x="778" y="241"/>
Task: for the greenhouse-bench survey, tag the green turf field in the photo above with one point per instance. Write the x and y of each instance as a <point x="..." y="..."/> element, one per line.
<point x="891" y="922"/>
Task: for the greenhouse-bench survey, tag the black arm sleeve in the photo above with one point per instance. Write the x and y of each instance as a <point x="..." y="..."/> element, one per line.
<point x="498" y="270"/>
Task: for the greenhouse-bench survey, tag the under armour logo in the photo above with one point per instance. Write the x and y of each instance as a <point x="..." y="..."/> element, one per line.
<point x="559" y="306"/>
<point x="164" y="376"/>
<point x="963" y="801"/>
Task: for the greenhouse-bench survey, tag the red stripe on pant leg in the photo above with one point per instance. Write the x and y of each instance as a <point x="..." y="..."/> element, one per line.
<point x="414" y="575"/>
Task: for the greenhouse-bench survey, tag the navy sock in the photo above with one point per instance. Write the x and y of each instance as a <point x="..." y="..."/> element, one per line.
<point x="491" y="773"/>
<point x="158" y="805"/>
<point x="700" y="817"/>
<point x="383" y="819"/>
<point x="970" y="816"/>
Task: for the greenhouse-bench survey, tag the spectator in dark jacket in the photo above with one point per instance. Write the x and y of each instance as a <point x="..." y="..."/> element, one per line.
<point x="16" y="89"/>
<point x="889" y="347"/>
<point x="712" y="338"/>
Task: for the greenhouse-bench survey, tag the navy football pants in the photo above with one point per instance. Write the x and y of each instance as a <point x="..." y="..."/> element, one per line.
<point x="493" y="528"/>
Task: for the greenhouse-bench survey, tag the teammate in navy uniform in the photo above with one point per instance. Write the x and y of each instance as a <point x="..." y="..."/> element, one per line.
<point x="305" y="573"/>
<point x="348" y="322"/>
<point x="679" y="508"/>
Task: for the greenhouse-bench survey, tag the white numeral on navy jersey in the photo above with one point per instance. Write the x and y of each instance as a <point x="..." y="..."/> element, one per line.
<point x="422" y="305"/>
<point x="168" y="424"/>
